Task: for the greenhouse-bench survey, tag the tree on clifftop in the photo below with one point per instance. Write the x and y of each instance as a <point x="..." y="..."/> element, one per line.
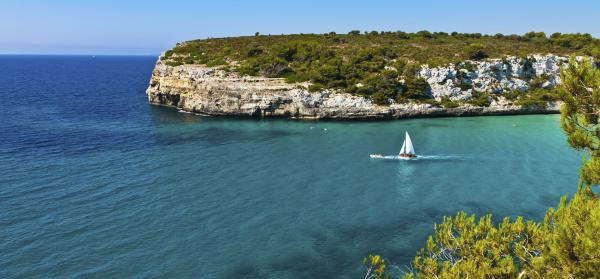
<point x="475" y="52"/>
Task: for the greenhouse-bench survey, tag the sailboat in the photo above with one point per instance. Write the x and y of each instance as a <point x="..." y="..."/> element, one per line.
<point x="407" y="150"/>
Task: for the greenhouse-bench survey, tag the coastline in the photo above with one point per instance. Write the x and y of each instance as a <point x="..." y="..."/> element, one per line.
<point x="442" y="113"/>
<point x="215" y="92"/>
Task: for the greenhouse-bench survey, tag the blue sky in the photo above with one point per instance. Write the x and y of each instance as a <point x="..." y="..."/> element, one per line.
<point x="149" y="27"/>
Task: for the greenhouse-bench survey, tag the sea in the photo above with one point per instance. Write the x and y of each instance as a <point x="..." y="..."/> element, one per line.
<point x="97" y="183"/>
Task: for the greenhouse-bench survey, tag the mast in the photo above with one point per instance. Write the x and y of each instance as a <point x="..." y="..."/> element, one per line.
<point x="409" y="146"/>
<point x="403" y="149"/>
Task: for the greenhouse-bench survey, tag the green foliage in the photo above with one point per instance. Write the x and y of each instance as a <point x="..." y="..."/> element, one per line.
<point x="574" y="41"/>
<point x="253" y="51"/>
<point x="268" y="66"/>
<point x="294" y="77"/>
<point x="527" y="64"/>
<point x="564" y="245"/>
<point x="513" y="95"/>
<point x="580" y="114"/>
<point x="423" y="47"/>
<point x="174" y="63"/>
<point x="480" y="99"/>
<point x="381" y="87"/>
<point x="215" y="62"/>
<point x="463" y="247"/>
<point x="539" y="37"/>
<point x="375" y="267"/>
<point x="424" y="34"/>
<point x="467" y="66"/>
<point x="528" y="102"/>
<point x="537" y="97"/>
<point x="465" y="86"/>
<point x="538" y="81"/>
<point x="415" y="88"/>
<point x="315" y="88"/>
<point x="593" y="50"/>
<point x="380" y="98"/>
<point x="463" y="81"/>
<point x="475" y="52"/>
<point x="447" y="103"/>
<point x="570" y="247"/>
<point x="402" y="35"/>
<point x="432" y="102"/>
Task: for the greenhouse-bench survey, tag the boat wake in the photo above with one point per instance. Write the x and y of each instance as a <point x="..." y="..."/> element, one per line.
<point x="419" y="157"/>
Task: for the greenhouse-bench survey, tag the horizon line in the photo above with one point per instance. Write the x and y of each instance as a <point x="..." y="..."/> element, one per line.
<point x="74" y="54"/>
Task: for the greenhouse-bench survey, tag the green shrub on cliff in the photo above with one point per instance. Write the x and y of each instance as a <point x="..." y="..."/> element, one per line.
<point x="380" y="98"/>
<point x="480" y="99"/>
<point x="574" y="41"/>
<point x="380" y="87"/>
<point x="447" y="103"/>
<point x="415" y="88"/>
<point x="537" y="97"/>
<point x="421" y="47"/>
<point x="475" y="52"/>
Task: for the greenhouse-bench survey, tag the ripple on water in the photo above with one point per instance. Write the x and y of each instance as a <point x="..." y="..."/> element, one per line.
<point x="106" y="186"/>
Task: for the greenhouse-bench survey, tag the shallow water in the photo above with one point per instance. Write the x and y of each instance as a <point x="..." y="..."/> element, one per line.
<point x="97" y="183"/>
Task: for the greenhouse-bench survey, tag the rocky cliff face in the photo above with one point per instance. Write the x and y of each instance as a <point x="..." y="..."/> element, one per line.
<point x="493" y="75"/>
<point x="212" y="91"/>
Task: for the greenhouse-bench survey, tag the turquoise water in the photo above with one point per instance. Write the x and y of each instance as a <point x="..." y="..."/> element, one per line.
<point x="97" y="183"/>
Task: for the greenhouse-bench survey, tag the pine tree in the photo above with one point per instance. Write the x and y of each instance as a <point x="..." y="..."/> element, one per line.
<point x="580" y="114"/>
<point x="572" y="242"/>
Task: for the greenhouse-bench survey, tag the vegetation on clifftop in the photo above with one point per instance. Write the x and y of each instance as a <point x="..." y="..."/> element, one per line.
<point x="370" y="64"/>
<point x="367" y="63"/>
<point x="378" y="65"/>
<point x="423" y="47"/>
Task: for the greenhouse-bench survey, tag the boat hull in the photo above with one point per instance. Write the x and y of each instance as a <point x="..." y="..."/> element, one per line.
<point x="408" y="156"/>
<point x="388" y="157"/>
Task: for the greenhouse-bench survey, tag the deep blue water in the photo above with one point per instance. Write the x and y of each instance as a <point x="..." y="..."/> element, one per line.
<point x="96" y="183"/>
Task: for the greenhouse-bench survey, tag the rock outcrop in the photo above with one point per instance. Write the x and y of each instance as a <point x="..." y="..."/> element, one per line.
<point x="457" y="82"/>
<point x="213" y="91"/>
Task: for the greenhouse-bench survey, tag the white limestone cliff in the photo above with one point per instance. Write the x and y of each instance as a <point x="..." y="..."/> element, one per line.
<point x="213" y="91"/>
<point x="493" y="75"/>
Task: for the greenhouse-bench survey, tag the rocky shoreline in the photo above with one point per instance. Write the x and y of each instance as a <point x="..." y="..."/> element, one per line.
<point x="213" y="91"/>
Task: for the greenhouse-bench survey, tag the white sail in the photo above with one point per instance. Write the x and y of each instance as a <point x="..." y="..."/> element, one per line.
<point x="409" y="146"/>
<point x="403" y="149"/>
